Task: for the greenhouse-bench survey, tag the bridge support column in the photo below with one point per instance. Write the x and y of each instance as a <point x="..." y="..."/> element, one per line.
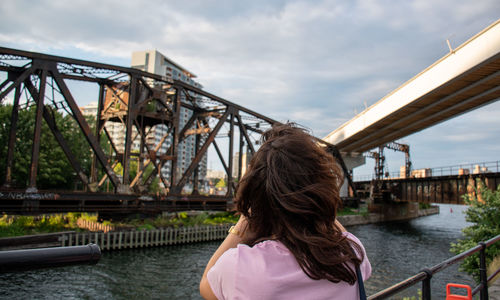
<point x="351" y="161"/>
<point x="395" y="211"/>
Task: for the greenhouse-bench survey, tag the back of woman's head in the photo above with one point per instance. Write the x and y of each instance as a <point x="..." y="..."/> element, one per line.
<point x="290" y="192"/>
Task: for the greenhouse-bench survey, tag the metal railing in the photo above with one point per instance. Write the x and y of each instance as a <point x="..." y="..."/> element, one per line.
<point x="425" y="275"/>
<point x="471" y="168"/>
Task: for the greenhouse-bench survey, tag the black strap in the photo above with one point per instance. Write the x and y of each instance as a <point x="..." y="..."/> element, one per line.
<point x="362" y="293"/>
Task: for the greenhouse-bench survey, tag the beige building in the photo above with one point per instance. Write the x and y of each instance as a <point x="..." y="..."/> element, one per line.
<point x="245" y="161"/>
<point x="116" y="130"/>
<point x="216" y="174"/>
<point x="153" y="61"/>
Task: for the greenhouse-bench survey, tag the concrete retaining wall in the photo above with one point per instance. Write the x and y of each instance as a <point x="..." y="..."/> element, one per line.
<point x="351" y="220"/>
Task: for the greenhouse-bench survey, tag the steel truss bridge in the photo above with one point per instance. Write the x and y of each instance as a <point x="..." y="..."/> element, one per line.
<point x="448" y="189"/>
<point x="140" y="101"/>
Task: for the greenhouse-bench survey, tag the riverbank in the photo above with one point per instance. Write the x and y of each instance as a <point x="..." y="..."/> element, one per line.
<point x="127" y="239"/>
<point x="370" y="218"/>
<point x="396" y="250"/>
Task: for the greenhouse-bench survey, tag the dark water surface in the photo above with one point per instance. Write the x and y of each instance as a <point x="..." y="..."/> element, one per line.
<point x="396" y="251"/>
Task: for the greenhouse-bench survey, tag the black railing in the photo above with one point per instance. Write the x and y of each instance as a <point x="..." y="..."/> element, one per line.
<point x="29" y="259"/>
<point x="425" y="275"/>
<point x="462" y="169"/>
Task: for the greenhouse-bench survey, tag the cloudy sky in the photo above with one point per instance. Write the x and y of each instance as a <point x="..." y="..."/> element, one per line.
<point x="317" y="63"/>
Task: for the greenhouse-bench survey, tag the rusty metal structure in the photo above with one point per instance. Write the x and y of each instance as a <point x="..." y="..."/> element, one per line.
<point x="448" y="189"/>
<point x="380" y="166"/>
<point x="140" y="101"/>
<point x="379" y="190"/>
<point x="406" y="150"/>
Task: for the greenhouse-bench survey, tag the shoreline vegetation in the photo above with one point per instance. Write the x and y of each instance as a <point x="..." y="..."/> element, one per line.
<point x="20" y="225"/>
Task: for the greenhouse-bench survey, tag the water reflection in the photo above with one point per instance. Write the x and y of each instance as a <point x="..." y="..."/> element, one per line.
<point x="396" y="251"/>
<point x="399" y="250"/>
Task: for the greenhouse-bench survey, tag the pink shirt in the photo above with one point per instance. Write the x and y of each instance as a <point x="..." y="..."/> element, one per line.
<point x="269" y="270"/>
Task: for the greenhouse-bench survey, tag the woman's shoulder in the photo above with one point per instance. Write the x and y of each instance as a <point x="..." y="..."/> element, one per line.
<point x="352" y="237"/>
<point x="266" y="259"/>
<point x="366" y="268"/>
<point x="245" y="254"/>
<point x="265" y="246"/>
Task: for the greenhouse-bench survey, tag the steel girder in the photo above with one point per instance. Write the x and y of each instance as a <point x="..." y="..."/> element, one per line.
<point x="140" y="102"/>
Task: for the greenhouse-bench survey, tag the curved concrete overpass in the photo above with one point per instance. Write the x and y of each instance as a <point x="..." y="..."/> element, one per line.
<point x="465" y="79"/>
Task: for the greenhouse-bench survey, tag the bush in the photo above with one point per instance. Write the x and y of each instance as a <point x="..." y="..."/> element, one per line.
<point x="221" y="218"/>
<point x="26" y="225"/>
<point x="422" y="205"/>
<point x="484" y="212"/>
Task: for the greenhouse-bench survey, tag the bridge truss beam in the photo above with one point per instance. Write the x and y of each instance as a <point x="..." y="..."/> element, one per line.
<point x="141" y="102"/>
<point x="448" y="189"/>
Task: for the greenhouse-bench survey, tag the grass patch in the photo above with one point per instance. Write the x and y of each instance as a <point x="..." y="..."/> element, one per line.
<point x="362" y="210"/>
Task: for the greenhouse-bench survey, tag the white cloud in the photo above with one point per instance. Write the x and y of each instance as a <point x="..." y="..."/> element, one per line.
<point x="309" y="61"/>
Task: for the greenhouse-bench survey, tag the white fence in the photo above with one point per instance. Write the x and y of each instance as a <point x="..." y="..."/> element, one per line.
<point x="146" y="238"/>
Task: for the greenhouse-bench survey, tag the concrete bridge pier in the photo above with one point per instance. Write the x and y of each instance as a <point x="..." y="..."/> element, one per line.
<point x="395" y="211"/>
<point x="351" y="161"/>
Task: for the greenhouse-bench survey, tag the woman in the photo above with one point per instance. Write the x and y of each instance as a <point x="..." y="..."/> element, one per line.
<point x="287" y="243"/>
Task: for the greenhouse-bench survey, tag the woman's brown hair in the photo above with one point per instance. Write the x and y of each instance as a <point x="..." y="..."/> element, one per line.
<point x="290" y="193"/>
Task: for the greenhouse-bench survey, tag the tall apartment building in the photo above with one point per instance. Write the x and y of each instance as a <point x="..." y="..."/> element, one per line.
<point x="153" y="61"/>
<point x="115" y="129"/>
<point x="245" y="161"/>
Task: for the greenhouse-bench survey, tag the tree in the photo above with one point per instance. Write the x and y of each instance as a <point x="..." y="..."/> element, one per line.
<point x="155" y="182"/>
<point x="484" y="212"/>
<point x="54" y="169"/>
<point x="221" y="183"/>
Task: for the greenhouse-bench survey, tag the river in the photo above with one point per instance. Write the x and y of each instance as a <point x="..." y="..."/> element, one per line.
<point x="396" y="251"/>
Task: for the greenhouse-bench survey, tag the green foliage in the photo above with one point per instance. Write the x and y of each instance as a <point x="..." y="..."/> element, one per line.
<point x="484" y="212"/>
<point x="89" y="217"/>
<point x="180" y="219"/>
<point x="418" y="297"/>
<point x="146" y="226"/>
<point x="221" y="218"/>
<point x="422" y="205"/>
<point x="71" y="218"/>
<point x="26" y="225"/>
<point x="221" y="183"/>
<point x="154" y="187"/>
<point x="54" y="169"/>
<point x="362" y="210"/>
<point x="151" y="106"/>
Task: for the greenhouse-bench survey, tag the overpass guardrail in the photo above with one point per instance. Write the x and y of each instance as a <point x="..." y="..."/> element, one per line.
<point x="425" y="276"/>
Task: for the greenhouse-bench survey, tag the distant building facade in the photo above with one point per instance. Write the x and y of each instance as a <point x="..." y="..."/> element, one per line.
<point x="245" y="161"/>
<point x="216" y="174"/>
<point x="153" y="61"/>
<point x="116" y="130"/>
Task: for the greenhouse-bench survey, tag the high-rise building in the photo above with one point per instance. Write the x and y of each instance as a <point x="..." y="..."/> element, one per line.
<point x="153" y="61"/>
<point x="116" y="130"/>
<point x="245" y="161"/>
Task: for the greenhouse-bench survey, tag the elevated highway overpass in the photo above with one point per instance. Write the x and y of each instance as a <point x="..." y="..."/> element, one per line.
<point x="465" y="79"/>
